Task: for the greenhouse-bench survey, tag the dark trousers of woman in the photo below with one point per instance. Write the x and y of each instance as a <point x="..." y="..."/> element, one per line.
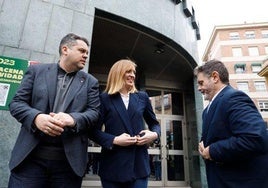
<point x="138" y="183"/>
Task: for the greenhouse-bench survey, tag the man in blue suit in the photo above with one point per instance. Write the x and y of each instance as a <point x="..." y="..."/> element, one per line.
<point x="234" y="139"/>
<point x="56" y="105"/>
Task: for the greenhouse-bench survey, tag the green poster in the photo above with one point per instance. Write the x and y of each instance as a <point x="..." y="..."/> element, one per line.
<point x="11" y="74"/>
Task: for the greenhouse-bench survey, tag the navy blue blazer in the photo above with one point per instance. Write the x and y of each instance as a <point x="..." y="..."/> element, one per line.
<point x="238" y="140"/>
<point x="121" y="164"/>
<point x="36" y="95"/>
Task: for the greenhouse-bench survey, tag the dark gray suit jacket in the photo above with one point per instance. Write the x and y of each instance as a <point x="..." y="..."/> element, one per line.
<point x="36" y="95"/>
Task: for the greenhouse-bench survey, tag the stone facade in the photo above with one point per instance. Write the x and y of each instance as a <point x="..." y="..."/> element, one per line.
<point x="32" y="29"/>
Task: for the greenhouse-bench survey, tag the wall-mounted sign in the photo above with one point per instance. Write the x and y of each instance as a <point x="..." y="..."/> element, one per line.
<point x="11" y="74"/>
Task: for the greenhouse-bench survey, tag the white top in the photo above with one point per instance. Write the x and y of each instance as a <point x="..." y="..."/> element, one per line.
<point x="125" y="98"/>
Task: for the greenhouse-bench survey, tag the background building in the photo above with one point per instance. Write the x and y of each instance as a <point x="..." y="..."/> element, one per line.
<point x="264" y="71"/>
<point x="160" y="37"/>
<point x="243" y="48"/>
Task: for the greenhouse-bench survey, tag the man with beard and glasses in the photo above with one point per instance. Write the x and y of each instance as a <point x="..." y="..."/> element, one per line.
<point x="234" y="139"/>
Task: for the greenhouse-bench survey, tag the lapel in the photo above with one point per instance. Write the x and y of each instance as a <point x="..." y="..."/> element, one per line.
<point x="51" y="82"/>
<point x="75" y="86"/>
<point x="208" y="116"/>
<point x="215" y="102"/>
<point x="122" y="112"/>
<point x="133" y="104"/>
<point x="205" y="125"/>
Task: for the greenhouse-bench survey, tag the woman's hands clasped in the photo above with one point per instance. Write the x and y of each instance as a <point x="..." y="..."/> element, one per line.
<point x="143" y="138"/>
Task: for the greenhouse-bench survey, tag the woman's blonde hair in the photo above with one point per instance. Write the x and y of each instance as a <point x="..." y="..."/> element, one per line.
<point x="115" y="81"/>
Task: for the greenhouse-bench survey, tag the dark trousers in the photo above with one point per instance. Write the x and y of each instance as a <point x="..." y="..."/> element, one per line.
<point x="157" y="170"/>
<point x="138" y="183"/>
<point x="42" y="173"/>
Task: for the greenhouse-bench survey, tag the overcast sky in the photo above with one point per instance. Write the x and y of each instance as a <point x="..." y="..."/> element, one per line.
<point x="218" y="12"/>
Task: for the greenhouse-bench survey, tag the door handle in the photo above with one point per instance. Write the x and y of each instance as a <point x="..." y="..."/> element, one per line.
<point x="161" y="151"/>
<point x="167" y="151"/>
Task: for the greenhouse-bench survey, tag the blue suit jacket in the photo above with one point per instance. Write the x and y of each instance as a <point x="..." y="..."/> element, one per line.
<point x="118" y="163"/>
<point x="238" y="140"/>
<point x="36" y="95"/>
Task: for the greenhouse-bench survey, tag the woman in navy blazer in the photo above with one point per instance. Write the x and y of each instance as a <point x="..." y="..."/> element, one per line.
<point x="124" y="158"/>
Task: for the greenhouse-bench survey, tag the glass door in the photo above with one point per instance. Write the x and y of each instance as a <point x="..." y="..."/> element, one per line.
<point x="168" y="157"/>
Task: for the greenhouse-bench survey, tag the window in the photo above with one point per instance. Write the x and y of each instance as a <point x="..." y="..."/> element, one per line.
<point x="237" y="52"/>
<point x="240" y="68"/>
<point x="266" y="49"/>
<point x="263" y="105"/>
<point x="166" y="101"/>
<point x="243" y="86"/>
<point x="260" y="85"/>
<point x="250" y="34"/>
<point x="256" y="67"/>
<point x="264" y="34"/>
<point x="253" y="51"/>
<point x="234" y="36"/>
